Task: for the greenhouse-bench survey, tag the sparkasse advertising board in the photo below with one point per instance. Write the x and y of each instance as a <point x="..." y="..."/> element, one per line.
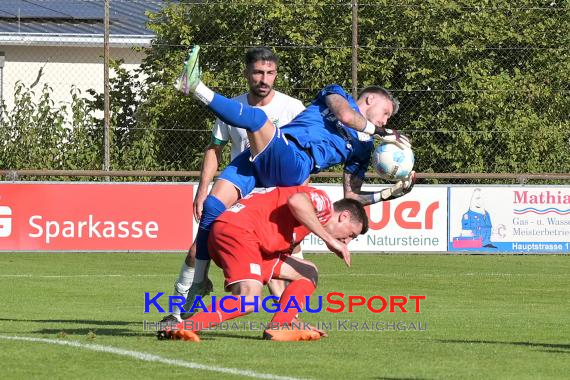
<point x="94" y="217"/>
<point x="159" y="217"/>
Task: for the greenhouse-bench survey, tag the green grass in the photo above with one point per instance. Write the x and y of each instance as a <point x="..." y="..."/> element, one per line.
<point x="487" y="317"/>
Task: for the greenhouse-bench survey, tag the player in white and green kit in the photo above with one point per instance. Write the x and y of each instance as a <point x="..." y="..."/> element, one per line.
<point x="260" y="72"/>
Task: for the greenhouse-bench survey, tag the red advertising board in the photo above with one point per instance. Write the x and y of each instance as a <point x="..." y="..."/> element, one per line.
<point x="92" y="217"/>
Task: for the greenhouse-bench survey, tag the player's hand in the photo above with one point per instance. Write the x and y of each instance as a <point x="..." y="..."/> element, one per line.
<point x="392" y="136"/>
<point x="340" y="249"/>
<point x="400" y="188"/>
<point x="199" y="205"/>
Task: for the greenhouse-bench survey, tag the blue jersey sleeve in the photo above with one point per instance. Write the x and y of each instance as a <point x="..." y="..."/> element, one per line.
<point x="331" y="89"/>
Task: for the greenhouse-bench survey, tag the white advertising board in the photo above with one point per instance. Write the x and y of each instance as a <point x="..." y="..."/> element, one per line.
<point x="415" y="222"/>
<point x="525" y="219"/>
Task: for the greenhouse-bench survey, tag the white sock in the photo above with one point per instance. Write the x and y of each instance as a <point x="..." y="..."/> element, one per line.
<point x="203" y="93"/>
<point x="182" y="284"/>
<point x="200" y="274"/>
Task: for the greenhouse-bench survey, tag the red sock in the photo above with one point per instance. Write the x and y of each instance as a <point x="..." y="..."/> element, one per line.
<point x="206" y="319"/>
<point x="298" y="289"/>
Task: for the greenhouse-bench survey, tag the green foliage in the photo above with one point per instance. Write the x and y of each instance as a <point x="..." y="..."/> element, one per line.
<point x="133" y="145"/>
<point x="483" y="84"/>
<point x="84" y="145"/>
<point x="37" y="134"/>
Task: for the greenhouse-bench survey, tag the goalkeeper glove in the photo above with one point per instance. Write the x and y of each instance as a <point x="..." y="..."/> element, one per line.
<point x="400" y="188"/>
<point x="392" y="136"/>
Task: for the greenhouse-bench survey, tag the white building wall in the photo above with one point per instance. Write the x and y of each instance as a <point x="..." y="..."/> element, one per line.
<point x="63" y="67"/>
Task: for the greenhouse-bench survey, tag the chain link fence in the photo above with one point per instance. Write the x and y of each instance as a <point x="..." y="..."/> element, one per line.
<point x="483" y="86"/>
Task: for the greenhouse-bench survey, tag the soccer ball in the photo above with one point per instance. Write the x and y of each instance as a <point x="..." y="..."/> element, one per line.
<point x="392" y="163"/>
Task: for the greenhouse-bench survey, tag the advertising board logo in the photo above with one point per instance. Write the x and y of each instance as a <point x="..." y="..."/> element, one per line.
<point x="5" y="221"/>
<point x="409" y="215"/>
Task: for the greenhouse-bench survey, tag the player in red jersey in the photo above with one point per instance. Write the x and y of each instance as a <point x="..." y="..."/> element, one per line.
<point x="252" y="242"/>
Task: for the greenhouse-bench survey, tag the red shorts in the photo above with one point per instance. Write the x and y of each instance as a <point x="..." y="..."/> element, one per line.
<point x="237" y="252"/>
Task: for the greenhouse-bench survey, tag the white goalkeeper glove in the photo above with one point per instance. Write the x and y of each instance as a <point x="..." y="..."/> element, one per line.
<point x="400" y="188"/>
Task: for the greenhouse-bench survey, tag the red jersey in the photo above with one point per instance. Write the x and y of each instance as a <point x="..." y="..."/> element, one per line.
<point x="265" y="213"/>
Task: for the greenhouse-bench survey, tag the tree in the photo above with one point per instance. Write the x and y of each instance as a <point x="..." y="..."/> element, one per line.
<point x="481" y="83"/>
<point x="37" y="134"/>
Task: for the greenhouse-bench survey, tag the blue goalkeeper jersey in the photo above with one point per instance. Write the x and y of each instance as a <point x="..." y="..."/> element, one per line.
<point x="330" y="142"/>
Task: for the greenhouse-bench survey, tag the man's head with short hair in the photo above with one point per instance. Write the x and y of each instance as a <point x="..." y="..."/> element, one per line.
<point x="348" y="221"/>
<point x="356" y="210"/>
<point x="260" y="72"/>
<point x="260" y="54"/>
<point x="382" y="92"/>
<point x="377" y="105"/>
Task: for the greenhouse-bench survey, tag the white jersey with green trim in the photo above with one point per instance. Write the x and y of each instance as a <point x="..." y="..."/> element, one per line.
<point x="280" y="110"/>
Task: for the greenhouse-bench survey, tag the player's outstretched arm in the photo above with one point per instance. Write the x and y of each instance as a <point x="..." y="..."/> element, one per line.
<point x="352" y="186"/>
<point x="303" y="210"/>
<point x="340" y="107"/>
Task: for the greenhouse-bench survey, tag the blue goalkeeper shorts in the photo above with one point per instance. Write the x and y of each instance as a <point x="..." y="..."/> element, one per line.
<point x="281" y="163"/>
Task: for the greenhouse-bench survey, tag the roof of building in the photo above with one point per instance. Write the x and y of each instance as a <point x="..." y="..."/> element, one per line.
<point x="74" y="21"/>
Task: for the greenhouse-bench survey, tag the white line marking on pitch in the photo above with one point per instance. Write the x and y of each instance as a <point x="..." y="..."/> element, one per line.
<point x="149" y="357"/>
<point x="82" y="275"/>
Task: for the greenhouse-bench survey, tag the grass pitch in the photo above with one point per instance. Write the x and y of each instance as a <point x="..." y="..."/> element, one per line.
<point x="485" y="317"/>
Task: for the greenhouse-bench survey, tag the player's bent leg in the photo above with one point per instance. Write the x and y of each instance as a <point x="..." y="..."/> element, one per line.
<point x="282" y="162"/>
<point x="260" y="130"/>
<point x="237" y="114"/>
<point x="247" y="292"/>
<point x="297" y="293"/>
<point x="226" y="192"/>
<point x="295" y="269"/>
<point x="261" y="139"/>
<point x="276" y="287"/>
<point x="298" y="252"/>
<point x="303" y="276"/>
<point x="182" y="284"/>
<point x="222" y="195"/>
